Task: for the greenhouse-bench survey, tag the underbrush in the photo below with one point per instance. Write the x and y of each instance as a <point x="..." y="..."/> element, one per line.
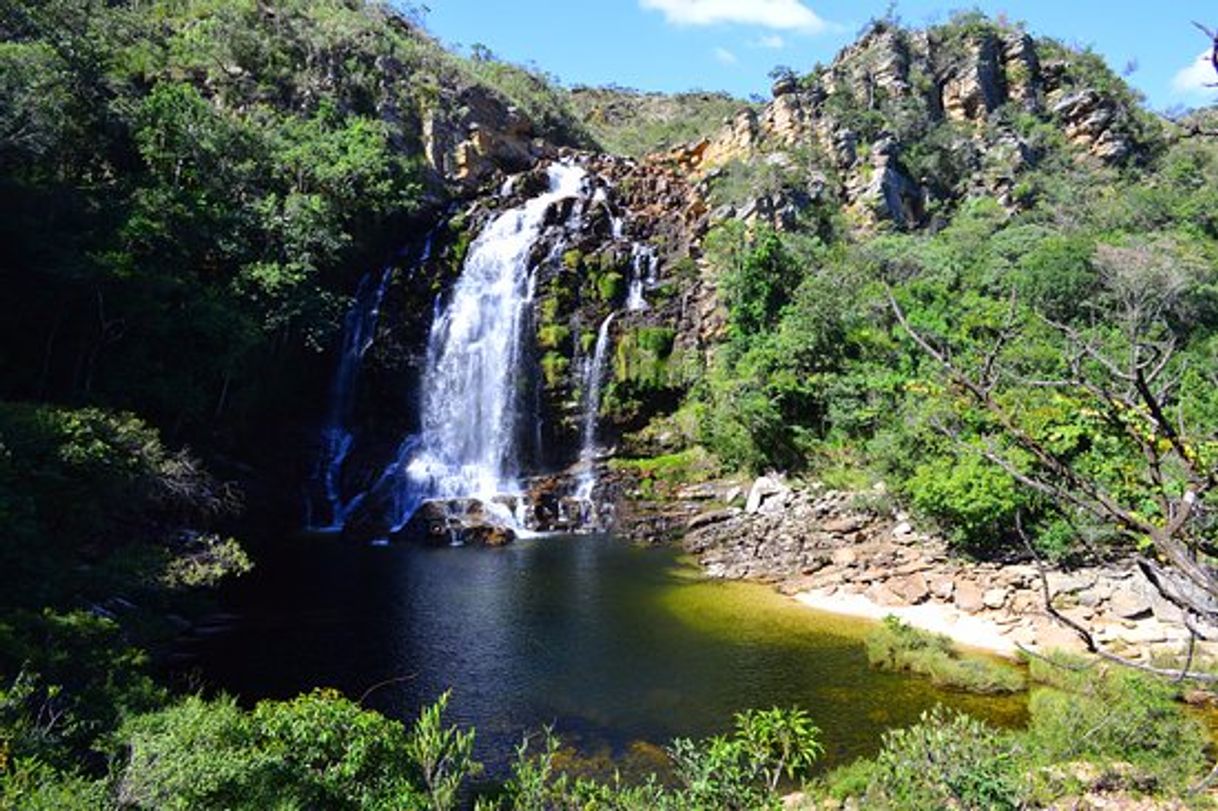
<point x="1091" y="730"/>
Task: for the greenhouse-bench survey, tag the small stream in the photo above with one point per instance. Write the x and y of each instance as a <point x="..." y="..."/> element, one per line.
<point x="621" y="648"/>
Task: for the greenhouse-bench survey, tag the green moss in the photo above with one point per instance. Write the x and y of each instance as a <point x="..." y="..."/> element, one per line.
<point x="552" y="336"/>
<point x="610" y="286"/>
<point x="573" y="259"/>
<point x="642" y="358"/>
<point x="587" y="341"/>
<point x="685" y="467"/>
<point x="553" y="368"/>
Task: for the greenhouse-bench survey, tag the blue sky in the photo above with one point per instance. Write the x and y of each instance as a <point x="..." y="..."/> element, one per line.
<point x="731" y="45"/>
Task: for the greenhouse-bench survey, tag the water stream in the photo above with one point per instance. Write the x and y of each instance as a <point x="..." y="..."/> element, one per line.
<point x="327" y="509"/>
<point x="592" y="403"/>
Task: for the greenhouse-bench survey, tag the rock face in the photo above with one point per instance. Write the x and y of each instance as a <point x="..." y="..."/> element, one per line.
<point x="878" y="87"/>
<point x="820" y="541"/>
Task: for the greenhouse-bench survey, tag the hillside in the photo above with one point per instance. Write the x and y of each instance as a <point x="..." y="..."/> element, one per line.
<point x="634" y="124"/>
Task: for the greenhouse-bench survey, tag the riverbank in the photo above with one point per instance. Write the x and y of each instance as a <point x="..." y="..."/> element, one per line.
<point x="845" y="553"/>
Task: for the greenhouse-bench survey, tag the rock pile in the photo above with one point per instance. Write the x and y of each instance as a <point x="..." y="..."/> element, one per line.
<point x="829" y="544"/>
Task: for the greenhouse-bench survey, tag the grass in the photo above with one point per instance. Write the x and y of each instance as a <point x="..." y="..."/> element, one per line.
<point x="896" y="646"/>
<point x="632" y="123"/>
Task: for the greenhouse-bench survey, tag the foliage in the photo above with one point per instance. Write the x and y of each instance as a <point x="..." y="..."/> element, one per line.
<point x="946" y="761"/>
<point x="1116" y="715"/>
<point x="895" y="645"/>
<point x="133" y="505"/>
<point x="316" y="751"/>
<point x="633" y="123"/>
<point x="743" y="771"/>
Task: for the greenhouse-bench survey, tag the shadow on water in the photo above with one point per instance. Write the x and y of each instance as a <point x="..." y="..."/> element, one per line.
<point x="619" y="647"/>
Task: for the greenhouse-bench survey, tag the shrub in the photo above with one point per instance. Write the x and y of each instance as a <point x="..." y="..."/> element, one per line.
<point x="946" y="761"/>
<point x="1118" y="715"/>
<point x="894" y="645"/>
<point x="316" y="751"/>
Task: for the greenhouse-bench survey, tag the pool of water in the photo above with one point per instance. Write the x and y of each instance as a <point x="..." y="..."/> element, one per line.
<point x="620" y="648"/>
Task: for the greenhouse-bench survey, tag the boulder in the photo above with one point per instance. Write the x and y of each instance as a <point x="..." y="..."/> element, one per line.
<point x="995" y="598"/>
<point x="844" y="524"/>
<point x="968" y="596"/>
<point x="912" y="589"/>
<point x="844" y="557"/>
<point x="942" y="587"/>
<point x="763" y="489"/>
<point x="1130" y="606"/>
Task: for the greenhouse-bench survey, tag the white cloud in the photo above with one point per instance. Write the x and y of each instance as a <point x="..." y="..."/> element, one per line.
<point x="1195" y="79"/>
<point x="771" y="41"/>
<point x="785" y="15"/>
<point x="725" y="56"/>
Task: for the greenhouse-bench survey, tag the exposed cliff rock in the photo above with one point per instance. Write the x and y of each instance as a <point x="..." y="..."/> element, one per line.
<point x="893" y="87"/>
<point x="472" y="134"/>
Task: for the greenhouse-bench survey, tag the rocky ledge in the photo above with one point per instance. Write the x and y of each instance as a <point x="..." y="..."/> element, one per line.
<point x="835" y="551"/>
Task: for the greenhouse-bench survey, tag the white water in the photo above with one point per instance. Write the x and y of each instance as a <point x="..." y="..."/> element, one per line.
<point x="327" y="512"/>
<point x="467" y="445"/>
<point x="642" y="273"/>
<point x="592" y="406"/>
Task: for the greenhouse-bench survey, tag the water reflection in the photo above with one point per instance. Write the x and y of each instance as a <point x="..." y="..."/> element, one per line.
<point x="614" y="645"/>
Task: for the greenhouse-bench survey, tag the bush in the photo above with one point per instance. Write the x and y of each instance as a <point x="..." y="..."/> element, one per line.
<point x="316" y="751"/>
<point x="972" y="498"/>
<point x="1105" y="716"/>
<point x="894" y="645"/>
<point x="946" y="761"/>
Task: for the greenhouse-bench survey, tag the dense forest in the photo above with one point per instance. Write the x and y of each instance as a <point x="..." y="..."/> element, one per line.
<point x="1004" y="309"/>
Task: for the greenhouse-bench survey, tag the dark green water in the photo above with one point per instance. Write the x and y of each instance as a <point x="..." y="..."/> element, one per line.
<point x="619" y="647"/>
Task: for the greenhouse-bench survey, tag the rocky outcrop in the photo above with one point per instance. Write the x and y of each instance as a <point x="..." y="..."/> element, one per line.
<point x="1095" y="123"/>
<point x="976" y="87"/>
<point x="462" y="521"/>
<point x="473" y="134"/>
<point x="963" y="76"/>
<point x="884" y="190"/>
<point x="828" y="544"/>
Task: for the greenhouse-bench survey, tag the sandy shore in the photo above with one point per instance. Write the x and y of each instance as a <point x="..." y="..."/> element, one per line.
<point x="960" y="627"/>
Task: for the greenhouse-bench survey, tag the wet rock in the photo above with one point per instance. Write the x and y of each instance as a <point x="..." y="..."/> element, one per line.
<point x="460" y="521"/>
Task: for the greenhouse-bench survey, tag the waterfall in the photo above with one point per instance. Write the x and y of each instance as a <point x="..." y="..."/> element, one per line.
<point x="592" y="404"/>
<point x="642" y="273"/>
<point x="326" y="510"/>
<point x="467" y="444"/>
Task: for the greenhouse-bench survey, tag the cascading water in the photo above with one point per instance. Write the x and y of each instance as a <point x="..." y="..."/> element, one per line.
<point x="642" y="273"/>
<point x="467" y="444"/>
<point x="326" y="509"/>
<point x="592" y="404"/>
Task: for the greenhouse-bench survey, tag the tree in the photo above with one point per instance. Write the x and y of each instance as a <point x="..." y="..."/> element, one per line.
<point x="1125" y="447"/>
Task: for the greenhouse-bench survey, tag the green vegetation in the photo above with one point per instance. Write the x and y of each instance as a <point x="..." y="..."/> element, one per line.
<point x="628" y="122"/>
<point x="187" y="190"/>
<point x="818" y="374"/>
<point x="1093" y="729"/>
<point x="894" y="645"/>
